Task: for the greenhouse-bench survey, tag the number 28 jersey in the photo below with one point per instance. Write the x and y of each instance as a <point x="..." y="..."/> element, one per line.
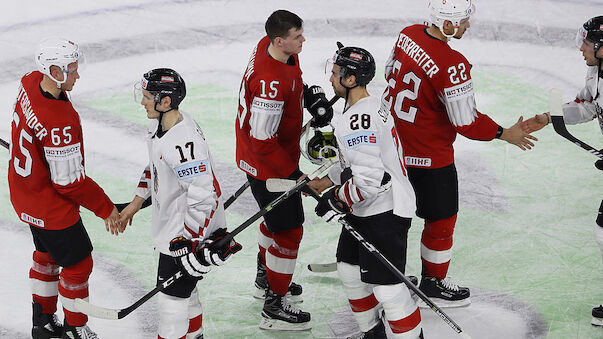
<point x="430" y="94"/>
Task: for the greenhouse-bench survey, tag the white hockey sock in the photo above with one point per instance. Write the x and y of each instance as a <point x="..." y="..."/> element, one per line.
<point x="360" y="296"/>
<point x="173" y="316"/>
<point x="402" y="314"/>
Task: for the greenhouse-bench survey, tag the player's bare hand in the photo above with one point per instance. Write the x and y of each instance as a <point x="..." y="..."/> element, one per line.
<point x="112" y="223"/>
<point x="127" y="214"/>
<point x="319" y="185"/>
<point x="536" y="123"/>
<point x="517" y="135"/>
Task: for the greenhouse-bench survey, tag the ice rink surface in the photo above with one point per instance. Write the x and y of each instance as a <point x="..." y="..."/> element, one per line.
<point x="523" y="240"/>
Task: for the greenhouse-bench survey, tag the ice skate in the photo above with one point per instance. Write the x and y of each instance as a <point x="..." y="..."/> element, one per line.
<point x="278" y="314"/>
<point x="45" y="326"/>
<point x="78" y="332"/>
<point x="261" y="285"/>
<point x="597" y="319"/>
<point x="377" y="332"/>
<point x="443" y="292"/>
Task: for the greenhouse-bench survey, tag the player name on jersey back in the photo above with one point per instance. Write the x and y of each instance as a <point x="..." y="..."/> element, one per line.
<point x="416" y="53"/>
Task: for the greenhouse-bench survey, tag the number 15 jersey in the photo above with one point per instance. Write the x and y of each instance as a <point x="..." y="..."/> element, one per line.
<point x="430" y="94"/>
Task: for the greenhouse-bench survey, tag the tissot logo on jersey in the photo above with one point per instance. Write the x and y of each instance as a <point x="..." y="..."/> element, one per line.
<point x="191" y="169"/>
<point x="63" y="153"/>
<point x="459" y="92"/>
<point x="265" y="106"/>
<point x="357" y="139"/>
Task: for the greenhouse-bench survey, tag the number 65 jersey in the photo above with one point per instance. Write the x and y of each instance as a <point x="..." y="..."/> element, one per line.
<point x="370" y="150"/>
<point x="430" y="94"/>
<point x="181" y="179"/>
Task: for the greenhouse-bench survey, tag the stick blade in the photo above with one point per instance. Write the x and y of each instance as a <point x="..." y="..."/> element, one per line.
<point x="279" y="185"/>
<point x="95" y="311"/>
<point x="323" y="268"/>
<point x="555" y="102"/>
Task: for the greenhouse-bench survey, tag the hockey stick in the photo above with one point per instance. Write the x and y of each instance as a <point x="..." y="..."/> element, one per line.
<point x="4" y="143"/>
<point x="404" y="279"/>
<point x="113" y="314"/>
<point x="555" y="102"/>
<point x="323" y="268"/>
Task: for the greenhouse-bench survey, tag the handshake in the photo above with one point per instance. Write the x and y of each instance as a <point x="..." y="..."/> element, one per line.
<point x="196" y="256"/>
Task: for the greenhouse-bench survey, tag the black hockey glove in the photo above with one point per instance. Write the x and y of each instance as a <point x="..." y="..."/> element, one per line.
<point x="330" y="208"/>
<point x="218" y="256"/>
<point x="317" y="104"/>
<point x="599" y="163"/>
<point x="185" y="251"/>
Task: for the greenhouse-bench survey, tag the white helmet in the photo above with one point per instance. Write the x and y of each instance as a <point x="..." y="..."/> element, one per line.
<point x="56" y="52"/>
<point x="450" y="10"/>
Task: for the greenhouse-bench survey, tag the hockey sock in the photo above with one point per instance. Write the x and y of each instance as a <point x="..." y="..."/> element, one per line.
<point x="280" y="259"/>
<point x="436" y="246"/>
<point x="401" y="312"/>
<point x="173" y="316"/>
<point x="73" y="284"/>
<point x="264" y="240"/>
<point x="360" y="296"/>
<point x="195" y="315"/>
<point x="44" y="281"/>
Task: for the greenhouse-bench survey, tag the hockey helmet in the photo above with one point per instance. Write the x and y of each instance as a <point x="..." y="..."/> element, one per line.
<point x="317" y="146"/>
<point x="57" y="52"/>
<point x="592" y="30"/>
<point x="450" y="10"/>
<point x="164" y="82"/>
<point x="355" y="61"/>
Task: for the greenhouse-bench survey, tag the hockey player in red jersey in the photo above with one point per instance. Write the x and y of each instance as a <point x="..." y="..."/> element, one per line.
<point x="188" y="213"/>
<point x="48" y="184"/>
<point x="430" y="94"/>
<point x="587" y="106"/>
<point x="373" y="192"/>
<point x="268" y="129"/>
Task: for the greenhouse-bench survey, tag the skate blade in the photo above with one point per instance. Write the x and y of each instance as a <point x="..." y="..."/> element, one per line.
<point x="279" y="325"/>
<point x="260" y="294"/>
<point x="443" y="303"/>
<point x="596" y="321"/>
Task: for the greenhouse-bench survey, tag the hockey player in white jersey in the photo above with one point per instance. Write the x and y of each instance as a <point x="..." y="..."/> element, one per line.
<point x="372" y="191"/>
<point x="188" y="213"/>
<point x="587" y="106"/>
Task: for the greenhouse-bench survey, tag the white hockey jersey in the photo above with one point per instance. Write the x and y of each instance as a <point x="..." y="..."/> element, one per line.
<point x="370" y="147"/>
<point x="587" y="105"/>
<point x="180" y="178"/>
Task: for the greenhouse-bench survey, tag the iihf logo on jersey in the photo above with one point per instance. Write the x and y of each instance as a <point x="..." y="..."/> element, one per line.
<point x="369" y="138"/>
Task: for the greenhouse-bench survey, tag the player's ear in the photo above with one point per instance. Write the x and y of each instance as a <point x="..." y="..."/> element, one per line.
<point x="56" y="72"/>
<point x="166" y="101"/>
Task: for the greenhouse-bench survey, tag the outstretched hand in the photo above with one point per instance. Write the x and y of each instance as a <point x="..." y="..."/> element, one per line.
<point x="536" y="123"/>
<point x="518" y="135"/>
<point x="127" y="214"/>
<point x="113" y="224"/>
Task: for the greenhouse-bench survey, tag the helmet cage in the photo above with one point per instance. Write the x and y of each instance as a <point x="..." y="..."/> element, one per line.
<point x="320" y="147"/>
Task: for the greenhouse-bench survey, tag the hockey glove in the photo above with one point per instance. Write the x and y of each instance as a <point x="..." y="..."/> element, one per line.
<point x="218" y="256"/>
<point x="330" y="207"/>
<point x="317" y="104"/>
<point x="599" y="163"/>
<point x="187" y="255"/>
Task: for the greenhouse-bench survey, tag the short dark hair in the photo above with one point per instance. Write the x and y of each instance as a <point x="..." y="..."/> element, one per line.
<point x="280" y="22"/>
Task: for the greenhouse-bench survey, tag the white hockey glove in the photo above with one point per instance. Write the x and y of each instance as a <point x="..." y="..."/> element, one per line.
<point x="330" y="207"/>
<point x="185" y="251"/>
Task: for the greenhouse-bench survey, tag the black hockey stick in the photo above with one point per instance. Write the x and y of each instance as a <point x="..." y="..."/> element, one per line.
<point x="4" y="143"/>
<point x="555" y="102"/>
<point x="402" y="277"/>
<point x="113" y="314"/>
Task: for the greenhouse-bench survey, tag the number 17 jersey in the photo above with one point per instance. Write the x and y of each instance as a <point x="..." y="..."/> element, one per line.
<point x="430" y="94"/>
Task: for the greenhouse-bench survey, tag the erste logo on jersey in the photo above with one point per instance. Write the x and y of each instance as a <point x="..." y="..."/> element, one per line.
<point x="191" y="169"/>
<point x="369" y="138"/>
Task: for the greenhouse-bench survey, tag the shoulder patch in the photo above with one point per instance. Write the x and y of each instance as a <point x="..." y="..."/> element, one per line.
<point x="191" y="169"/>
<point x="369" y="138"/>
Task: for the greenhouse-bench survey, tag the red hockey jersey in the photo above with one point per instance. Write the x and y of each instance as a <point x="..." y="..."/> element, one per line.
<point x="46" y="173"/>
<point x="269" y="117"/>
<point x="430" y="94"/>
